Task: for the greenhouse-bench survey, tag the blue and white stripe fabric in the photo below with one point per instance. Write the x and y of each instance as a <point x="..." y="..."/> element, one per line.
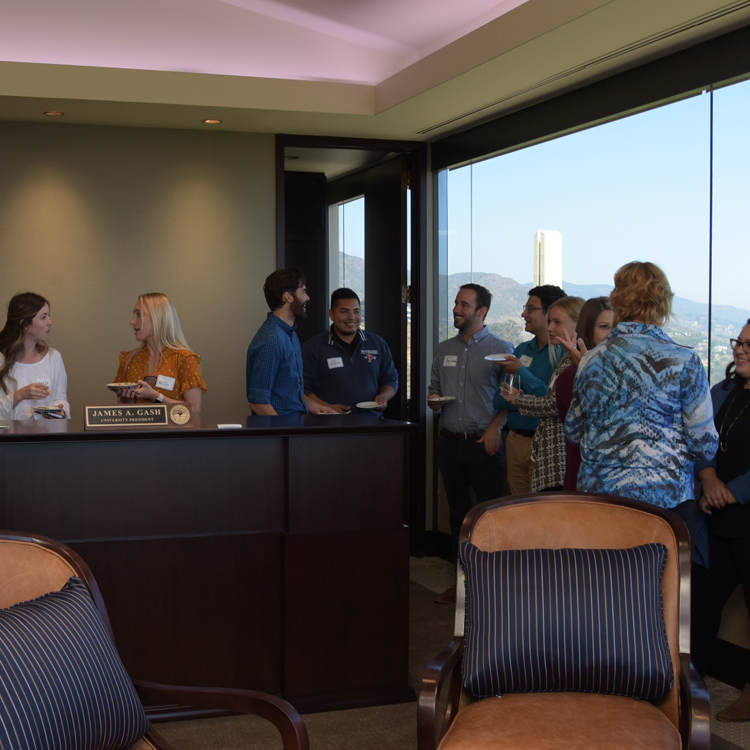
<point x="641" y="413"/>
<point x="582" y="620"/>
<point x="62" y="684"/>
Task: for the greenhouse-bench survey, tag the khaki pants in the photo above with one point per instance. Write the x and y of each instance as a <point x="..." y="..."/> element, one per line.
<point x="519" y="466"/>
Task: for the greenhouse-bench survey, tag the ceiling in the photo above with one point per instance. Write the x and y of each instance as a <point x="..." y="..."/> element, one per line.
<point x="400" y="69"/>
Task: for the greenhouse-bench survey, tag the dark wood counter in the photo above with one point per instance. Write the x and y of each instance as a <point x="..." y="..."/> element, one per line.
<point x="273" y="556"/>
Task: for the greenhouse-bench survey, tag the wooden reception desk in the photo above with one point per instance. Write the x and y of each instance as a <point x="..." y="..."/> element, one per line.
<point x="272" y="557"/>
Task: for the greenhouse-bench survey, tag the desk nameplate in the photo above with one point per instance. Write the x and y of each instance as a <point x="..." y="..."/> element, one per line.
<point x="126" y="415"/>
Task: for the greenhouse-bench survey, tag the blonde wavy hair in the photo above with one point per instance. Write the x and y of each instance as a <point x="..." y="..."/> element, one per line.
<point x="642" y="294"/>
<point x="166" y="331"/>
<point x="572" y="306"/>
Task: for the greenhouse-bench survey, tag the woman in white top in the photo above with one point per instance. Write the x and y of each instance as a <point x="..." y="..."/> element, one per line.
<point x="31" y="373"/>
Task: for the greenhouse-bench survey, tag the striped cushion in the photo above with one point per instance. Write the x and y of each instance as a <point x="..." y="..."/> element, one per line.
<point x="587" y="620"/>
<point x="62" y="684"/>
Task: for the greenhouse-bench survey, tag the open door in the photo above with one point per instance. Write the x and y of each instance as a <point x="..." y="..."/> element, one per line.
<point x="392" y="186"/>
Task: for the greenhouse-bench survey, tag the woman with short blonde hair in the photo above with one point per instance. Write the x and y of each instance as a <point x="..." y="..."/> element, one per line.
<point x="642" y="294"/>
<point x="641" y="410"/>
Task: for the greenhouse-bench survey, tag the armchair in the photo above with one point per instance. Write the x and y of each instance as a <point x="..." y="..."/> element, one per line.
<point x="532" y="670"/>
<point x="60" y="639"/>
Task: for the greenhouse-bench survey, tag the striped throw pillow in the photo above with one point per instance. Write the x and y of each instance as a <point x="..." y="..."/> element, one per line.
<point x="62" y="684"/>
<point x="587" y="620"/>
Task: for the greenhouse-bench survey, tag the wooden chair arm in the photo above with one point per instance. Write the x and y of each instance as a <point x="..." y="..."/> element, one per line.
<point x="441" y="667"/>
<point x="276" y="710"/>
<point x="695" y="719"/>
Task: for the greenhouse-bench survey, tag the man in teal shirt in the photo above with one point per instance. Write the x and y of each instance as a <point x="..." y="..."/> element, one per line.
<point x="534" y="363"/>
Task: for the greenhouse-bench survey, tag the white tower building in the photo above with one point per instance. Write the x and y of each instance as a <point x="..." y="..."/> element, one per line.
<point x="548" y="257"/>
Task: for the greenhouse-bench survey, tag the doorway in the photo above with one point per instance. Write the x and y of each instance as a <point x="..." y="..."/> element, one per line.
<point x="317" y="175"/>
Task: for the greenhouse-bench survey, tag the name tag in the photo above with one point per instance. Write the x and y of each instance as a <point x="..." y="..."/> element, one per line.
<point x="45" y="381"/>
<point x="165" y="382"/>
<point x="525" y="360"/>
<point x="450" y="360"/>
<point x="335" y="362"/>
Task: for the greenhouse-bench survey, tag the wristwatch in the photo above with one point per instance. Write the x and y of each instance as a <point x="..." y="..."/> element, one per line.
<point x="159" y="399"/>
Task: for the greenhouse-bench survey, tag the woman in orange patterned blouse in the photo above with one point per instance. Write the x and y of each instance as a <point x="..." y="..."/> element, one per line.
<point x="164" y="368"/>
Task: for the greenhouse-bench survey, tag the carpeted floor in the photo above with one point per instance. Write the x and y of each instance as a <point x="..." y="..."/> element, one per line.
<point x="383" y="727"/>
<point x="374" y="728"/>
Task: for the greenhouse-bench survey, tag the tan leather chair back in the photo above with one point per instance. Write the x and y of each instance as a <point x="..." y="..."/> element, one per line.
<point x="587" y="522"/>
<point x="30" y="570"/>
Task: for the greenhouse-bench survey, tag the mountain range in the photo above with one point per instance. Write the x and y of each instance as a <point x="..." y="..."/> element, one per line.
<point x="509" y="296"/>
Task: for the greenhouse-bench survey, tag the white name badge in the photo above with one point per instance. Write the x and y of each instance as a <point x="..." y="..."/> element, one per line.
<point x="165" y="382"/>
<point x="44" y="381"/>
<point x="335" y="362"/>
<point x="450" y="360"/>
<point x="525" y="360"/>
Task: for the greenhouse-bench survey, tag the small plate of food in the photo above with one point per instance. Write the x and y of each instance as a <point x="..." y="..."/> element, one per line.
<point x="124" y="384"/>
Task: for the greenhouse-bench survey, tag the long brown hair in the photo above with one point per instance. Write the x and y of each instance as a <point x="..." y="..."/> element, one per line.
<point x="21" y="311"/>
<point x="590" y="313"/>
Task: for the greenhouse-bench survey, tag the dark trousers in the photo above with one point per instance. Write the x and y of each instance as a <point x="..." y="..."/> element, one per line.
<point x="465" y="464"/>
<point x="729" y="565"/>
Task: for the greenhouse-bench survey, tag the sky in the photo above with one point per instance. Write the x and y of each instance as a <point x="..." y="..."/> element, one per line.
<point x="635" y="189"/>
<point x="638" y="188"/>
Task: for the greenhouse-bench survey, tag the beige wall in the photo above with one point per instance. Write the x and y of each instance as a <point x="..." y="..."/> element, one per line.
<point x="92" y="216"/>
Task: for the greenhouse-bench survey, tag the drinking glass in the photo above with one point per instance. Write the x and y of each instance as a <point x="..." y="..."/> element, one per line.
<point x="510" y="386"/>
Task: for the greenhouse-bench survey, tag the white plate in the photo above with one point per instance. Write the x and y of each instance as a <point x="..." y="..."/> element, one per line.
<point x="124" y="384"/>
<point x="496" y="357"/>
<point x="46" y="409"/>
<point x="441" y="399"/>
<point x="368" y="405"/>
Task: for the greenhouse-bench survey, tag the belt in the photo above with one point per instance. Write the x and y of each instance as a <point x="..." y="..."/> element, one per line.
<point x="524" y="433"/>
<point x="461" y="435"/>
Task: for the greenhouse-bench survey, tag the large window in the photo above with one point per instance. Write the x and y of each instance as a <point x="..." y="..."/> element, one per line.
<point x="667" y="185"/>
<point x="346" y="232"/>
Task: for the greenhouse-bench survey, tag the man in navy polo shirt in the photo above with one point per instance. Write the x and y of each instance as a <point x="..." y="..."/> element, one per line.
<point x="346" y="365"/>
<point x="274" y="357"/>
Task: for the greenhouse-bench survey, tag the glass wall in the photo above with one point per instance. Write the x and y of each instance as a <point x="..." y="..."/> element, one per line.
<point x="730" y="300"/>
<point x="346" y="233"/>
<point x="639" y="188"/>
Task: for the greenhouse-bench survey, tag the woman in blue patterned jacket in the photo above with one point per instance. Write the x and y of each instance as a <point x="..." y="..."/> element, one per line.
<point x="641" y="409"/>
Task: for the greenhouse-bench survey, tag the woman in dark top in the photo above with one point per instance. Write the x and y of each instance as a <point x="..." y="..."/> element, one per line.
<point x="726" y="500"/>
<point x="594" y="325"/>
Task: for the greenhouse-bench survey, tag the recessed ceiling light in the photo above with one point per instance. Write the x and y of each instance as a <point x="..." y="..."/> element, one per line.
<point x="54" y="114"/>
<point x="212" y="122"/>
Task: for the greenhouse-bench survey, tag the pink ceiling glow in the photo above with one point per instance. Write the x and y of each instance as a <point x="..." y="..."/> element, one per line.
<point x="361" y="41"/>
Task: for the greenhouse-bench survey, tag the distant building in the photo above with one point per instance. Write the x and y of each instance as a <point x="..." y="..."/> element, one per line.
<point x="548" y="257"/>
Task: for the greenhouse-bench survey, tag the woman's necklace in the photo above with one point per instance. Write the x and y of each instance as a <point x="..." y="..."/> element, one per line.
<point x="724" y="436"/>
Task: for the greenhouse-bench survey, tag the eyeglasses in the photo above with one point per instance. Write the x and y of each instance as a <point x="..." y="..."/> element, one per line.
<point x="738" y="344"/>
<point x="530" y="308"/>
